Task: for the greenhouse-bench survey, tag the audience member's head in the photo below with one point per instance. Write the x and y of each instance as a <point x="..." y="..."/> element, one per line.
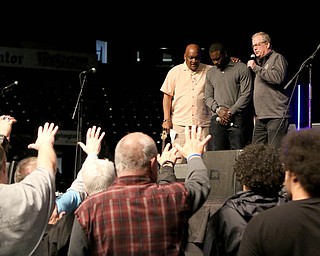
<point x="300" y="155"/>
<point x="24" y="167"/>
<point x="97" y="175"/>
<point x="136" y="154"/>
<point x="258" y="168"/>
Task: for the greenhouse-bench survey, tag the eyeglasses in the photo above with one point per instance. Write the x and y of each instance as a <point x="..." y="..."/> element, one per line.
<point x="259" y="44"/>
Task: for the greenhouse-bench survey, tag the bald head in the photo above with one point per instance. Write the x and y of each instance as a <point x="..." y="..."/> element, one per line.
<point x="192" y="48"/>
<point x="192" y="56"/>
<point x="134" y="152"/>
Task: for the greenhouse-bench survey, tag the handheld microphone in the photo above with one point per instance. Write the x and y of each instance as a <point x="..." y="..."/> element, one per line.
<point x="254" y="57"/>
<point x="9" y="86"/>
<point x="218" y="119"/>
<point x="91" y="70"/>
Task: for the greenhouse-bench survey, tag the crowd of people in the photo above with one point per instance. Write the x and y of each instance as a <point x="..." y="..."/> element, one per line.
<point x="136" y="206"/>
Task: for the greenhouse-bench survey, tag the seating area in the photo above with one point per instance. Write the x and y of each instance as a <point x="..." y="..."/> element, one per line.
<point x="117" y="106"/>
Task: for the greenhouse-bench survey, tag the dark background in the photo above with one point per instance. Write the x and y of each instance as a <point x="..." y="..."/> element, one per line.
<point x="124" y="96"/>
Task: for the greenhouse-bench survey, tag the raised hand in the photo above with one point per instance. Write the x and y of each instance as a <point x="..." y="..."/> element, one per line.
<point x="193" y="144"/>
<point x="46" y="135"/>
<point x="168" y="155"/>
<point x="6" y="123"/>
<point x="93" y="141"/>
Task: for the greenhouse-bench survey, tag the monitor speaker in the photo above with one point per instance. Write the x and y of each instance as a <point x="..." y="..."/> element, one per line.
<point x="222" y="179"/>
<point x="223" y="185"/>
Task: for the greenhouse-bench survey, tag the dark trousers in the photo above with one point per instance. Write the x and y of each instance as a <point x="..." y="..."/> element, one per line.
<point x="270" y="131"/>
<point x="227" y="137"/>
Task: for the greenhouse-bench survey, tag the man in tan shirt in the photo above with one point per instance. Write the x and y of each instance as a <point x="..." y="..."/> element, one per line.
<point x="183" y="96"/>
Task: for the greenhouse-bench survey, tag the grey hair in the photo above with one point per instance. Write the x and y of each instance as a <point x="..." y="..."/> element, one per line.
<point x="265" y="36"/>
<point x="24" y="167"/>
<point x="97" y="175"/>
<point x="134" y="152"/>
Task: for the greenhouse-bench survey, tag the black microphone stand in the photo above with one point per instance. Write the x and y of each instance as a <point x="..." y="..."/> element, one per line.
<point x="78" y="155"/>
<point x="311" y="57"/>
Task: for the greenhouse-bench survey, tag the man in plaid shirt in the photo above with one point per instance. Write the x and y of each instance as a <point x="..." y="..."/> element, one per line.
<point x="145" y="211"/>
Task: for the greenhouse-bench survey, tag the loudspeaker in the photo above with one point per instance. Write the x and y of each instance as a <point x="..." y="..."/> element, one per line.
<point x="223" y="185"/>
<point x="222" y="179"/>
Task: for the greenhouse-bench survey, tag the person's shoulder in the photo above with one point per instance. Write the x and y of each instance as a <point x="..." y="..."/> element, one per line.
<point x="211" y="68"/>
<point x="176" y="69"/>
<point x="94" y="198"/>
<point x="276" y="212"/>
<point x="38" y="175"/>
<point x="276" y="54"/>
<point x="205" y="66"/>
<point x="178" y="66"/>
<point x="239" y="64"/>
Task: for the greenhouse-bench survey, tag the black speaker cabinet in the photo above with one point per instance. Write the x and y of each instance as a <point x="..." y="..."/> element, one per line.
<point x="220" y="166"/>
<point x="223" y="185"/>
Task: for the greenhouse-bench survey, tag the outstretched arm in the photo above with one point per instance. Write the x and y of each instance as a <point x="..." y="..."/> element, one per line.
<point x="47" y="158"/>
<point x="70" y="200"/>
<point x="197" y="180"/>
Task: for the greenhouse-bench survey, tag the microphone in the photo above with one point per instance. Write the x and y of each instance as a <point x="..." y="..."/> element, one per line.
<point x="91" y="70"/>
<point x="218" y="119"/>
<point x="253" y="57"/>
<point x="9" y="86"/>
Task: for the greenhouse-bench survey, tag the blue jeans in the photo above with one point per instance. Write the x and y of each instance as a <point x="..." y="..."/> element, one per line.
<point x="226" y="137"/>
<point x="270" y="131"/>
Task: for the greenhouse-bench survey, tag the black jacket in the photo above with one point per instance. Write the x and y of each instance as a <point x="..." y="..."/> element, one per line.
<point x="226" y="226"/>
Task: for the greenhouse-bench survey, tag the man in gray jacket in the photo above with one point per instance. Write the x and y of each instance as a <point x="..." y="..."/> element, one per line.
<point x="270" y="100"/>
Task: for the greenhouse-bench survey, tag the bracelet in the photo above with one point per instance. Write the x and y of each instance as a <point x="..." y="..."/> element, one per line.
<point x="92" y="155"/>
<point x="166" y="120"/>
<point x="167" y="162"/>
<point x="193" y="155"/>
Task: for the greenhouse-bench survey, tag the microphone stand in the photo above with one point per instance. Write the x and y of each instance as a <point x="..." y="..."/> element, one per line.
<point x="78" y="154"/>
<point x="311" y="57"/>
<point x="309" y="96"/>
<point x="8" y="87"/>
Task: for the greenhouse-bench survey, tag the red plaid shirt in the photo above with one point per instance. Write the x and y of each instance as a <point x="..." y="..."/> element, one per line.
<point x="135" y="216"/>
